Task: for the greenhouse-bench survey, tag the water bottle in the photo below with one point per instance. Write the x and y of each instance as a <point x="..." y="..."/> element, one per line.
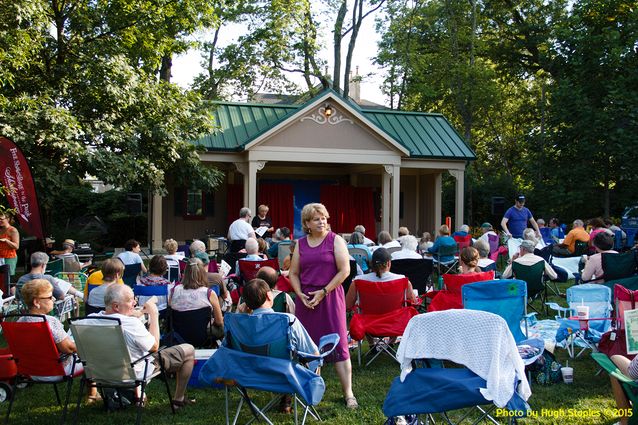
<point x="439" y="284"/>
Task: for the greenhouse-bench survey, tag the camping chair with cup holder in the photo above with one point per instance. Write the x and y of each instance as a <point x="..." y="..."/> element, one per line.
<point x="380" y="315"/>
<point x="493" y="373"/>
<point x="102" y="346"/>
<point x="257" y="354"/>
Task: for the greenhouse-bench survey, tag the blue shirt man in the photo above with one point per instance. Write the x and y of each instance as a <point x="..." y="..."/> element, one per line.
<point x="516" y="217"/>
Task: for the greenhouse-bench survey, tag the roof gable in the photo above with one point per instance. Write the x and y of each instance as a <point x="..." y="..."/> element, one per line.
<point x="419" y="135"/>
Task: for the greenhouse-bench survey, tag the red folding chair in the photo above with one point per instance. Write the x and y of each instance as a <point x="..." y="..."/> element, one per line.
<point x="463" y="241"/>
<point x="451" y="296"/>
<point x="248" y="269"/>
<point x="382" y="311"/>
<point x="36" y="355"/>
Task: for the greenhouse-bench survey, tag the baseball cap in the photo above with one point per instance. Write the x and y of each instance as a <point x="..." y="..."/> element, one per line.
<point x="486" y="225"/>
<point x="520" y="198"/>
<point x="380" y="256"/>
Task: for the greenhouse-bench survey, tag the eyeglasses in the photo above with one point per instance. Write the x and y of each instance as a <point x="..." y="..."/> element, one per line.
<point x="52" y="298"/>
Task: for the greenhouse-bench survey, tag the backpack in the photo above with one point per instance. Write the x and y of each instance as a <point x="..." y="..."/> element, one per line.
<point x="546" y="369"/>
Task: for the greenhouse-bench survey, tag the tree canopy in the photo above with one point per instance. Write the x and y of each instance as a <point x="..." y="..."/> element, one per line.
<point x="81" y="94"/>
<point x="545" y="92"/>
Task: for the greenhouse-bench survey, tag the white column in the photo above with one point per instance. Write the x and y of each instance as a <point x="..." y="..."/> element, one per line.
<point x="250" y="195"/>
<point x="459" y="206"/>
<point x="242" y="167"/>
<point x="156" y="238"/>
<point x="417" y="199"/>
<point x="385" y="197"/>
<point x="438" y="190"/>
<point x="396" y="190"/>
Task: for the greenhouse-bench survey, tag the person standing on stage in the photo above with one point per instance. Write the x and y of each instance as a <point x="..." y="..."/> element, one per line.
<point x="262" y="219"/>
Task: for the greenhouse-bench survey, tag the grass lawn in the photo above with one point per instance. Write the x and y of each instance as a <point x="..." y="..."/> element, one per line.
<point x="587" y="401"/>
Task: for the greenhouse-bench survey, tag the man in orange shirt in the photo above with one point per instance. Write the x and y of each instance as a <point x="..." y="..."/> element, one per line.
<point x="568" y="246"/>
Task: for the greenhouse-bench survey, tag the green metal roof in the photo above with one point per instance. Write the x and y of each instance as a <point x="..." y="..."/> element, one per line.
<point x="424" y="135"/>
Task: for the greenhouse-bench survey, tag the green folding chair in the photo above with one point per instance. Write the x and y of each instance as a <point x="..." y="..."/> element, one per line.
<point x="77" y="279"/>
<point x="534" y="276"/>
<point x="54" y="267"/>
<point x="618" y="266"/>
<point x="629" y="386"/>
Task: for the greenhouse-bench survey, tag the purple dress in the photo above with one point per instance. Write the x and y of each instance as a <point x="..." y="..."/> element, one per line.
<point x="317" y="268"/>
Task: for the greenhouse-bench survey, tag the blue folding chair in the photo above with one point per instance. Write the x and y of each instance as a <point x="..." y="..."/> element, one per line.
<point x="143" y="293"/>
<point x="506" y="298"/>
<point x="478" y="340"/>
<point x="257" y="354"/>
<point x="130" y="274"/>
<point x="546" y="234"/>
<point x="584" y="333"/>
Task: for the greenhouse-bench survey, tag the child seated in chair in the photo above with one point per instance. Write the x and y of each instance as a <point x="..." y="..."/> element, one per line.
<point x="259" y="298"/>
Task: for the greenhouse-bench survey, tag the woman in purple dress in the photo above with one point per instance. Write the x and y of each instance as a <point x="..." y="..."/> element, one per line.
<point x="319" y="266"/>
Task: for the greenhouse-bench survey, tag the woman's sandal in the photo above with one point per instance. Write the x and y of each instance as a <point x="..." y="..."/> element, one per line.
<point x="180" y="404"/>
<point x="351" y="403"/>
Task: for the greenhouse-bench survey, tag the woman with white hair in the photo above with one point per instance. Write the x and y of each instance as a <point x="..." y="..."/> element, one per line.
<point x="409" y="245"/>
<point x="198" y="250"/>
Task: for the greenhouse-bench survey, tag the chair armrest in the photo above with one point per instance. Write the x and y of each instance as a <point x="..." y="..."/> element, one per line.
<point x="611" y="368"/>
<point x="563" y="312"/>
<point x="148" y="355"/>
<point x="530" y="318"/>
<point x="327" y="345"/>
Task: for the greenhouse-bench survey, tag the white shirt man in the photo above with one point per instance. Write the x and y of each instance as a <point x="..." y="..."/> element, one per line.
<point x="179" y="359"/>
<point x="527" y="258"/>
<point x="240" y="229"/>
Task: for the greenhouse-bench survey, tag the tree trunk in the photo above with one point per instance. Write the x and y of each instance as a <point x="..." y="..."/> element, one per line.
<point x="338" y="28"/>
<point x="167" y="66"/>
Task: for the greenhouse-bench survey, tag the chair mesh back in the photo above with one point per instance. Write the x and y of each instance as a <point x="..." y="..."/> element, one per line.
<point x="597" y="297"/>
<point x="624" y="299"/>
<point x="77" y="279"/>
<point x="54" y="267"/>
<point x="506" y="298"/>
<point x="454" y="282"/>
<point x="192" y="325"/>
<point x="248" y="269"/>
<point x="263" y="334"/>
<point x="618" y="266"/>
<point x="33" y="348"/>
<point x="381" y="297"/>
<point x="130" y="274"/>
<point x="463" y="241"/>
<point x="533" y="275"/>
<point x="103" y="347"/>
<point x="149" y="291"/>
<point x="446" y="251"/>
<point x="361" y="257"/>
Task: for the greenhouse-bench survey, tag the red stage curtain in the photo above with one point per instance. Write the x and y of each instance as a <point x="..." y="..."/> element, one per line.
<point x="279" y="198"/>
<point x="364" y="207"/>
<point x="234" y="201"/>
<point x="349" y="206"/>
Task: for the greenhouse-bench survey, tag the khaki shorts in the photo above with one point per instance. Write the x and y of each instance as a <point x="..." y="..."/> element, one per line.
<point x="172" y="358"/>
